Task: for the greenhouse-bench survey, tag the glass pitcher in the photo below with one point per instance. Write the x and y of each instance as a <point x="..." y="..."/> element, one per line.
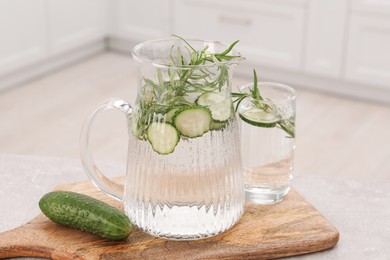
<point x="183" y="178"/>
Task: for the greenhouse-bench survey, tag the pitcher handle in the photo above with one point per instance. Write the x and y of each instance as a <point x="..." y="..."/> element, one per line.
<point x="103" y="183"/>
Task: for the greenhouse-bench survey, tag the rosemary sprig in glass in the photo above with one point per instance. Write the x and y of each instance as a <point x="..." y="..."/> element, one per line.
<point x="288" y="125"/>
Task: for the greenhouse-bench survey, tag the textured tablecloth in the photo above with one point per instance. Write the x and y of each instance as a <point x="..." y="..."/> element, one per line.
<point x="360" y="210"/>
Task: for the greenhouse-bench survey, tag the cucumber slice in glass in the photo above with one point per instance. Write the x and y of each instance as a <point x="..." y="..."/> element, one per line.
<point x="163" y="137"/>
<point x="192" y="121"/>
<point x="219" y="105"/>
<point x="259" y="117"/>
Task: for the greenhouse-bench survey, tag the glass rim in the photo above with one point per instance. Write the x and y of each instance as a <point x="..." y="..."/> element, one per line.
<point x="141" y="59"/>
<point x="291" y="91"/>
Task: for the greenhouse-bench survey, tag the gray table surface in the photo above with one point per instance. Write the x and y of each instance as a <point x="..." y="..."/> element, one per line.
<point x="360" y="210"/>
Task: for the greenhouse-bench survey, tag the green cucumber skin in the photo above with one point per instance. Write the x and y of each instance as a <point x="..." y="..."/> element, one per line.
<point x="85" y="213"/>
<point x="265" y="125"/>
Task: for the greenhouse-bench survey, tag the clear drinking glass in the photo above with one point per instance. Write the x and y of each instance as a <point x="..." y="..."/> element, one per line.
<point x="268" y="142"/>
<point x="184" y="178"/>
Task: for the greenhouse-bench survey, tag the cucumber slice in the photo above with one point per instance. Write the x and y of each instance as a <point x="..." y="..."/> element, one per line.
<point x="219" y="105"/>
<point x="169" y="115"/>
<point x="163" y="137"/>
<point x="259" y="117"/>
<point x="192" y="121"/>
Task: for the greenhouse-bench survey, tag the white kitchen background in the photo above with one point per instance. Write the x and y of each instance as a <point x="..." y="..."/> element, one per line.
<point x="339" y="46"/>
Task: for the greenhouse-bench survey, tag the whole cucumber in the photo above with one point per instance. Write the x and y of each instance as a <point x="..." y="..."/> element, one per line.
<point x="85" y="213"/>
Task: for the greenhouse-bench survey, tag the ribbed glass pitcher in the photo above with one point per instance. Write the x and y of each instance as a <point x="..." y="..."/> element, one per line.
<point x="183" y="177"/>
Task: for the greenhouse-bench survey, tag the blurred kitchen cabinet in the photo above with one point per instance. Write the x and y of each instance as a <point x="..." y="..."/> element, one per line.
<point x="368" y="49"/>
<point x="74" y="23"/>
<point x="141" y="20"/>
<point x="371" y="6"/>
<point x="23" y="33"/>
<point x="38" y="36"/>
<point x="325" y="37"/>
<point x="341" y="46"/>
<point x="270" y="32"/>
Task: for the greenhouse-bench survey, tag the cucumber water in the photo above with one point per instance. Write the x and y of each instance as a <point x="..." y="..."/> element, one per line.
<point x="190" y="91"/>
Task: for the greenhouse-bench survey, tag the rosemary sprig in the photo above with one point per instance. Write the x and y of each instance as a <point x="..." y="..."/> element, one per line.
<point x="254" y="94"/>
<point x="288" y="125"/>
<point x="185" y="75"/>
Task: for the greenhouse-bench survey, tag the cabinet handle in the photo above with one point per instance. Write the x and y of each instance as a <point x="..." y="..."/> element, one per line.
<point x="235" y="20"/>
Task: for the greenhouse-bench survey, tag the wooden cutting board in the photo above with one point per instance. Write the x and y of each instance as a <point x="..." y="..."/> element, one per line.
<point x="291" y="227"/>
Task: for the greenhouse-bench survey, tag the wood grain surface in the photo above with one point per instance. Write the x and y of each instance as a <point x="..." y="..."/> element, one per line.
<point x="291" y="227"/>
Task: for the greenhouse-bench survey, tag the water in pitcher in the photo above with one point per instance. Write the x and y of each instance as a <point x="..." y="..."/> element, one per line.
<point x="184" y="177"/>
<point x="191" y="193"/>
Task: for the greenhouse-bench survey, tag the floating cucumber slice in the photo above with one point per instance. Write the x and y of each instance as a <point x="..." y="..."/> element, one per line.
<point x="163" y="137"/>
<point x="219" y="105"/>
<point x="259" y="117"/>
<point x="192" y="121"/>
<point x="169" y="115"/>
